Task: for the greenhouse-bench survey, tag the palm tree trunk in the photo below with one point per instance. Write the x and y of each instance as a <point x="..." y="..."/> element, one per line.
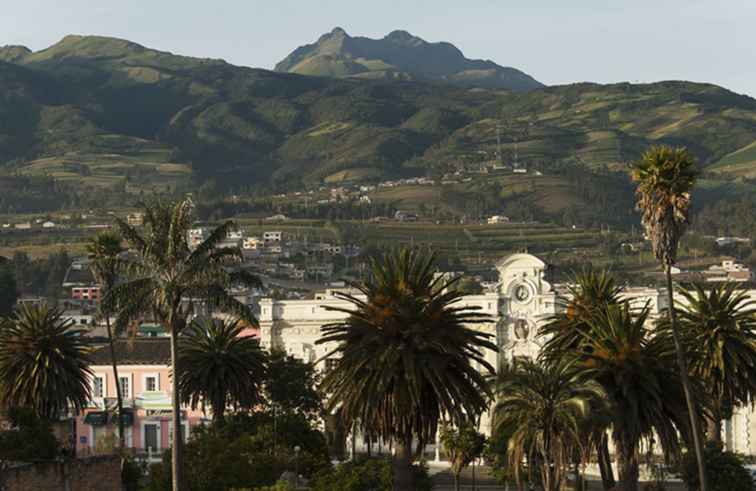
<point x="627" y="463"/>
<point x="403" y="465"/>
<point x="714" y="429"/>
<point x="119" y="396"/>
<point x="176" y="452"/>
<point x="695" y="424"/>
<point x="605" y="463"/>
<point x="714" y="425"/>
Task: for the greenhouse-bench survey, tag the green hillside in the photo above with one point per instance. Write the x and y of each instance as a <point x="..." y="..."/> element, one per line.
<point x="109" y="113"/>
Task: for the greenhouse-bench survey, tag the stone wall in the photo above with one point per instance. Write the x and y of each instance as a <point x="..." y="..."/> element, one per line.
<point x="100" y="473"/>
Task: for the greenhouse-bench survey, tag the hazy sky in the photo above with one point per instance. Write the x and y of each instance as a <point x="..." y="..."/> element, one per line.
<point x="556" y="41"/>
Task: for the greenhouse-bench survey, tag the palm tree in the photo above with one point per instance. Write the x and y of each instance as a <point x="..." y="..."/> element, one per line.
<point x="104" y="251"/>
<point x="546" y="406"/>
<point x="644" y="394"/>
<point x="589" y="292"/>
<point x="44" y="365"/>
<point x="220" y="366"/>
<point x="406" y="356"/>
<point x="718" y="328"/>
<point x="166" y="279"/>
<point x="665" y="178"/>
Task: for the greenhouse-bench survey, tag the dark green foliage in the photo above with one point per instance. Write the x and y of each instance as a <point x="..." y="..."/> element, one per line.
<point x="29" y="439"/>
<point x="8" y="290"/>
<point x="725" y="470"/>
<point x="463" y="445"/>
<point x="240" y="455"/>
<point x="131" y="474"/>
<point x="405" y="356"/>
<point x="291" y="385"/>
<point x="367" y="475"/>
<point x="220" y="367"/>
<point x="44" y="363"/>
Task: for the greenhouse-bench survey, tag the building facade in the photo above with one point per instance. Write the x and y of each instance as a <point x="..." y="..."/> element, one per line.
<point x="523" y="301"/>
<point x="144" y="373"/>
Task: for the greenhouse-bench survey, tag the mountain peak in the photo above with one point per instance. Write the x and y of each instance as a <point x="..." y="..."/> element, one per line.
<point x="14" y="53"/>
<point x="404" y="37"/>
<point x="400" y="55"/>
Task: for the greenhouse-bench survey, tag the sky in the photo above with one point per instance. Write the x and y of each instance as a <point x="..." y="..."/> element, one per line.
<point x="555" y="41"/>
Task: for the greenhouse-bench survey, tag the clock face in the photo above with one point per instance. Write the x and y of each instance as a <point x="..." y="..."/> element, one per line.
<point x="522" y="293"/>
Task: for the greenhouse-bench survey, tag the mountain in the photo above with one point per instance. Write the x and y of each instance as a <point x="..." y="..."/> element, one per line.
<point x="400" y="56"/>
<point x="104" y="113"/>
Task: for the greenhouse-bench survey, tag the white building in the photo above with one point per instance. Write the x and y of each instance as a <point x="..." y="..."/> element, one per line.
<point x="522" y="301"/>
<point x="497" y="219"/>
<point x="272" y="236"/>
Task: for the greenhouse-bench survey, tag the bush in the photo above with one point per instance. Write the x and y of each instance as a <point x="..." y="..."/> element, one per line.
<point x="239" y="456"/>
<point x="725" y="470"/>
<point x="30" y="439"/>
<point x="374" y="474"/>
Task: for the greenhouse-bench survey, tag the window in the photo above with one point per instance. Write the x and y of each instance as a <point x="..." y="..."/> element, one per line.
<point x="125" y="388"/>
<point x="151" y="382"/>
<point x="98" y="386"/>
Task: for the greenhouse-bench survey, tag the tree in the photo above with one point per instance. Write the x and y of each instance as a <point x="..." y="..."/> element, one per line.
<point x="167" y="280"/>
<point x="43" y="363"/>
<point x="727" y="470"/>
<point x="665" y="178"/>
<point x="644" y="394"/>
<point x="291" y="385"/>
<point x="589" y="292"/>
<point x="220" y="366"/>
<point x="8" y="290"/>
<point x="30" y="437"/>
<point x="405" y="356"/>
<point x="104" y="251"/>
<point x="544" y="406"/>
<point x="718" y="329"/>
<point x="463" y="444"/>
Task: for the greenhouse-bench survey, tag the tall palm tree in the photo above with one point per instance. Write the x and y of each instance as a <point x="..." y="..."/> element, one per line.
<point x="220" y="366"/>
<point x="407" y="356"/>
<point x="718" y="329"/>
<point x="665" y="178"/>
<point x="104" y="251"/>
<point x="44" y="365"/>
<point x="589" y="292"/>
<point x="644" y="394"/>
<point x="546" y="406"/>
<point x="167" y="280"/>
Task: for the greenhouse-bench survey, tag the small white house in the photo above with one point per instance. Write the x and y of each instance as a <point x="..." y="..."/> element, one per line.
<point x="497" y="219"/>
<point x="272" y="236"/>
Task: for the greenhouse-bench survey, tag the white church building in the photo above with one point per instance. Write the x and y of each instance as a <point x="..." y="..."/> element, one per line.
<point x="523" y="300"/>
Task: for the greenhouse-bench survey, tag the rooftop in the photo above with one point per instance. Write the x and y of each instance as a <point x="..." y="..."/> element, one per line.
<point x="136" y="351"/>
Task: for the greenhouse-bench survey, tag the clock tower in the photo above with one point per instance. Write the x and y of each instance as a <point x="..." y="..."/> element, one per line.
<point x="527" y="300"/>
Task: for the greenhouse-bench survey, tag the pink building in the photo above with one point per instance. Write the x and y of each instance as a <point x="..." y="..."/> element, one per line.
<point x="144" y="370"/>
<point x="91" y="293"/>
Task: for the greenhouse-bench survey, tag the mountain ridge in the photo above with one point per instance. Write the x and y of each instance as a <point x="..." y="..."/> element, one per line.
<point x="402" y="55"/>
<point x="96" y="110"/>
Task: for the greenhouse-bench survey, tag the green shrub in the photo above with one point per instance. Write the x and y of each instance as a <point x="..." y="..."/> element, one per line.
<point x="239" y="456"/>
<point x="725" y="470"/>
<point x="374" y="474"/>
